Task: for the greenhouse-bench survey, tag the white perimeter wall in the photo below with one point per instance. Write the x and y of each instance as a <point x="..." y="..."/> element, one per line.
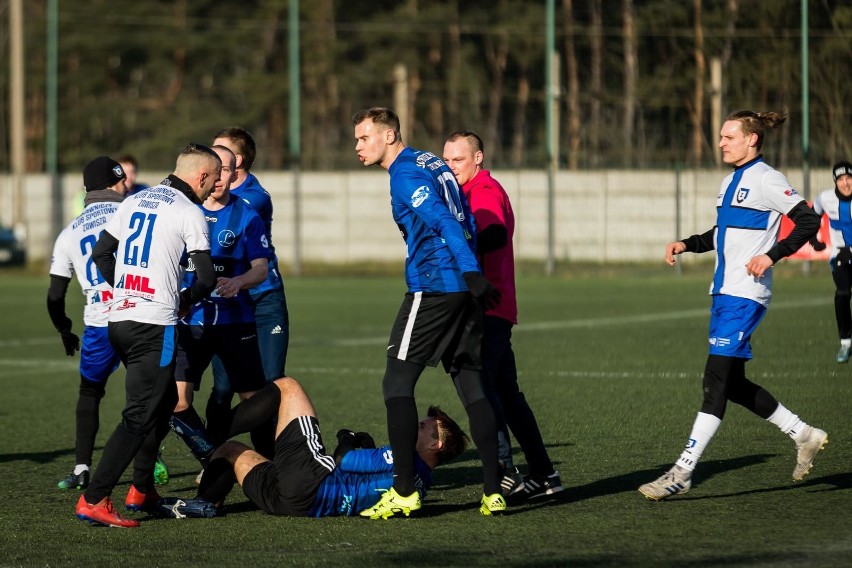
<point x="599" y="216"/>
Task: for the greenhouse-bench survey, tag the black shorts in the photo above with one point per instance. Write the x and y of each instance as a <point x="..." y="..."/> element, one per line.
<point x="236" y="346"/>
<point x="288" y="484"/>
<point x="438" y="327"/>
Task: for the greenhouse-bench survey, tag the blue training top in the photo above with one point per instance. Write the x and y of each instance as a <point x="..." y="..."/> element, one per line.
<point x="236" y="238"/>
<point x="251" y="192"/>
<point x="435" y="220"/>
<point x="359" y="481"/>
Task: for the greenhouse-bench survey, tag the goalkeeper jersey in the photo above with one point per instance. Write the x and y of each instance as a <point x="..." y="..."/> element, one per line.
<point x="359" y="481"/>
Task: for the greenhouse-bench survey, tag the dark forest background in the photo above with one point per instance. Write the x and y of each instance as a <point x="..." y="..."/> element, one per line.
<point x="147" y="76"/>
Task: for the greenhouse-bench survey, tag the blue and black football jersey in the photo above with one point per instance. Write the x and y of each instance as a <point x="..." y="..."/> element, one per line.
<point x="252" y="193"/>
<point x="236" y="238"/>
<point x="435" y="220"/>
<point x="359" y="481"/>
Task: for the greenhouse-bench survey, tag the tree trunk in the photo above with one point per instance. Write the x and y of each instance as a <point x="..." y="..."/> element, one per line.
<point x="595" y="82"/>
<point x="496" y="54"/>
<point x="629" y="32"/>
<point x="320" y="84"/>
<point x="698" y="89"/>
<point x="573" y="102"/>
<point x="520" y="122"/>
<point x="455" y="70"/>
<point x="732" y="9"/>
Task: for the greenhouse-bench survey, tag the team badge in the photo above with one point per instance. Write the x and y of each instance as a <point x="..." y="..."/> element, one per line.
<point x="227" y="238"/>
<point x="742" y="194"/>
<point x="419" y="196"/>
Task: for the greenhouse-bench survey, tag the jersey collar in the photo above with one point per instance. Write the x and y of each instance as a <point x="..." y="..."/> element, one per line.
<point x="750" y="163"/>
<point x="176" y="183"/>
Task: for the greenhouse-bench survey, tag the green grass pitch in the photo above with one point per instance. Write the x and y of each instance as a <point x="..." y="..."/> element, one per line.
<point x="611" y="362"/>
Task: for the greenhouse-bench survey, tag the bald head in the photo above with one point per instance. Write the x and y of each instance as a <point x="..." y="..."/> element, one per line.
<point x="200" y="167"/>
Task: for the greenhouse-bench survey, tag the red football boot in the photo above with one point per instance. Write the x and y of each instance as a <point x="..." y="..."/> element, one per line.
<point x="141" y="502"/>
<point x="102" y="513"/>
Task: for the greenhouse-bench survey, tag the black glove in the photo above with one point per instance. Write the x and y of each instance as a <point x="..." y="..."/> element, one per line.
<point x="71" y="342"/>
<point x="347" y="440"/>
<point x="817" y="244"/>
<point x="482" y="289"/>
<point x="355" y="440"/>
<point x="844" y="256"/>
<point x="364" y="441"/>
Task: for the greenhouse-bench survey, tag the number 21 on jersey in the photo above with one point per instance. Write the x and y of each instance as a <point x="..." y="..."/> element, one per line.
<point x="137" y="249"/>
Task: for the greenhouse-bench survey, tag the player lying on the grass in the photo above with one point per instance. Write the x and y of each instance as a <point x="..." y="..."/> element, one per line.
<point x="303" y="479"/>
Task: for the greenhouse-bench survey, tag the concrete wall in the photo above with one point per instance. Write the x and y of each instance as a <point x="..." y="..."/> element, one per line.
<point x="600" y="216"/>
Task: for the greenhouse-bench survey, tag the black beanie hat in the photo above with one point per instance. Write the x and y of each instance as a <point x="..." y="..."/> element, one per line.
<point x="101" y="173"/>
<point x="841" y="169"/>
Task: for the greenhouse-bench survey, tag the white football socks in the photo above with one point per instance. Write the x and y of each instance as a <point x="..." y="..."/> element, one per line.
<point x="80" y="468"/>
<point x="703" y="430"/>
<point x="788" y="422"/>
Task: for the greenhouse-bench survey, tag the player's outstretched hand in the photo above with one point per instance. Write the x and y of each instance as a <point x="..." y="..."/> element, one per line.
<point x="758" y="265"/>
<point x="482" y="289"/>
<point x="71" y="342"/>
<point x="672" y="249"/>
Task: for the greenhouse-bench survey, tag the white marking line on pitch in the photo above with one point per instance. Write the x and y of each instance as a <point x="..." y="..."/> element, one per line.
<point x="649" y="318"/>
<point x="602" y="322"/>
<point x="537" y="326"/>
<point x="19" y="367"/>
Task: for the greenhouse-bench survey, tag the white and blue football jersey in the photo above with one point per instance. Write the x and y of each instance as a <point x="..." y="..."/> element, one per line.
<point x="72" y="256"/>
<point x="839" y="214"/>
<point x="153" y="228"/>
<point x="749" y="207"/>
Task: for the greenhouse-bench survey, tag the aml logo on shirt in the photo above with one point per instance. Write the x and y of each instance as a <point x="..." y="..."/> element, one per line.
<point x="101" y="296"/>
<point x="136" y="283"/>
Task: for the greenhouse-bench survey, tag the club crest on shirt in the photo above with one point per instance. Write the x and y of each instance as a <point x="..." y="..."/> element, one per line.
<point x="227" y="238"/>
<point x="420" y="195"/>
<point x="742" y="194"/>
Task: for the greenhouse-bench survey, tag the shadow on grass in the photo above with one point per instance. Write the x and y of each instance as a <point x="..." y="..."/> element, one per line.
<point x="630" y="482"/>
<point x="37" y="457"/>
<point x="457" y="476"/>
<point x="836" y="482"/>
